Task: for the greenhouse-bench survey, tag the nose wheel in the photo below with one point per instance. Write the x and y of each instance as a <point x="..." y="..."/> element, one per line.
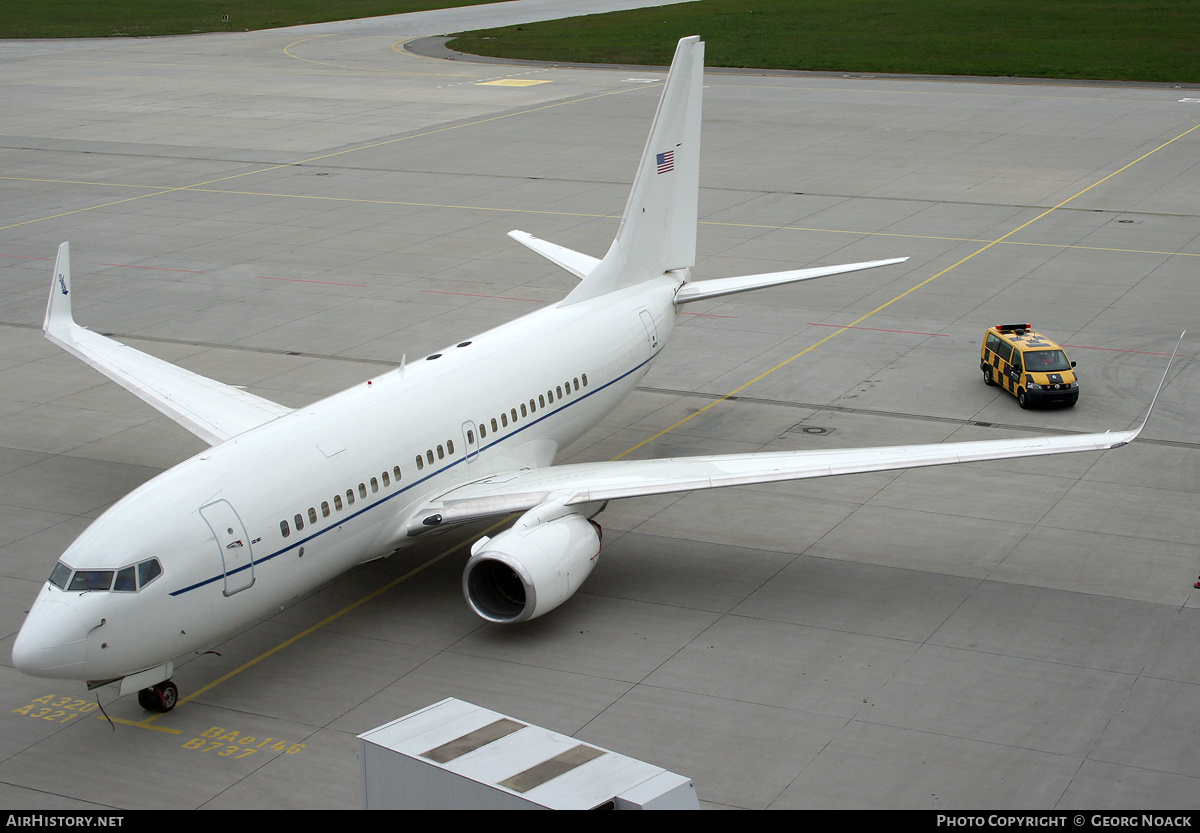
<point x="159" y="698"/>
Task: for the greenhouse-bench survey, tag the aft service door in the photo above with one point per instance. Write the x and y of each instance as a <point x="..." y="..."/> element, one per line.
<point x="236" y="559"/>
<point x="651" y="331"/>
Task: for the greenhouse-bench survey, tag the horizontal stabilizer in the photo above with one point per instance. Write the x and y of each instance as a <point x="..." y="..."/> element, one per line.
<point x="700" y="290"/>
<point x="577" y="263"/>
<point x="211" y="410"/>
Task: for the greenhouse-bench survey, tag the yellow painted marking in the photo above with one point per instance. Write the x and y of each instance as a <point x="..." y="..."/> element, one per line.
<point x="904" y="294"/>
<point x="287" y="51"/>
<point x="311" y="159"/>
<point x="508" y="209"/>
<point x="146" y="723"/>
<point x="333" y="617"/>
<point x="512" y="82"/>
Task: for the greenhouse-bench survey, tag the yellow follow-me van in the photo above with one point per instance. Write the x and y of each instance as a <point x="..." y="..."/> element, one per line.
<point x="1028" y="365"/>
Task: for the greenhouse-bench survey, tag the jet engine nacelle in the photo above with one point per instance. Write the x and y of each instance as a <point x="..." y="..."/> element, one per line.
<point x="533" y="567"/>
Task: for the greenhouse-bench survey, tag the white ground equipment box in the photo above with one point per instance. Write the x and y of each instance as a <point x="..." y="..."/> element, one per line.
<point x="453" y="755"/>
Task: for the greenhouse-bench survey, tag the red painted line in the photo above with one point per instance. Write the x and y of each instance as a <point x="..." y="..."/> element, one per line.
<point x="472" y="295"/>
<point x="157" y="268"/>
<point x="1114" y="350"/>
<point x="878" y="330"/>
<point x="301" y="280"/>
<point x="710" y="315"/>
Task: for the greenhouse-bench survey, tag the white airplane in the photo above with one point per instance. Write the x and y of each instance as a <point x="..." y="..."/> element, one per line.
<point x="285" y="500"/>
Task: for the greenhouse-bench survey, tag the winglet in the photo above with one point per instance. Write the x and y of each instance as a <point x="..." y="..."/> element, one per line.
<point x="58" y="308"/>
<point x="1161" y="384"/>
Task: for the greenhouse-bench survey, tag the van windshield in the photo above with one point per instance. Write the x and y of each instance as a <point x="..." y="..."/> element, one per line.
<point x="1046" y="361"/>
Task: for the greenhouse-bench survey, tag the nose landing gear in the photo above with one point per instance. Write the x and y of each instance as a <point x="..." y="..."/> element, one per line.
<point x="159" y="698"/>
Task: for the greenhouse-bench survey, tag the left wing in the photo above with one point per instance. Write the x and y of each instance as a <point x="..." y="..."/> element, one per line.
<point x="211" y="410"/>
<point x="583" y="483"/>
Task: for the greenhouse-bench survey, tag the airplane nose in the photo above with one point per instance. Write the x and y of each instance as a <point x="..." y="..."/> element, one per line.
<point x="52" y="641"/>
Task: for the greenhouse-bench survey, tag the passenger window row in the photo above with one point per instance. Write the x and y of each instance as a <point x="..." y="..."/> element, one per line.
<point x="338" y="504"/>
<point x="432" y="455"/>
<point x="544" y="400"/>
<point x="442" y="451"/>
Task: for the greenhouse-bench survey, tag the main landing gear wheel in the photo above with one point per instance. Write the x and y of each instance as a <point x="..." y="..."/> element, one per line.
<point x="159" y="698"/>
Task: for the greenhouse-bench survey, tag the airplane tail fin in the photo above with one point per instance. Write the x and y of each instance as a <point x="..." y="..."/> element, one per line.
<point x="658" y="230"/>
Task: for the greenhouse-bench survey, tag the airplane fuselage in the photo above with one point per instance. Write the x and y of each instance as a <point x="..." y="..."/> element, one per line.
<point x="248" y="525"/>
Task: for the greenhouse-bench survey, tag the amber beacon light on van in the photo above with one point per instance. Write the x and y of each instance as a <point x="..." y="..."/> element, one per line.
<point x="1028" y="365"/>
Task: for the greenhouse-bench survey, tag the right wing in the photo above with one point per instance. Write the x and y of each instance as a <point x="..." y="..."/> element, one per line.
<point x="211" y="410"/>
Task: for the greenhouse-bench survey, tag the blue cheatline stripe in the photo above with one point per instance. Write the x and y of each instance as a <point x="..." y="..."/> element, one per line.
<point x="415" y="483"/>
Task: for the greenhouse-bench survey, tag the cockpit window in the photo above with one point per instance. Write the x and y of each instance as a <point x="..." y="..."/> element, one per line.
<point x="148" y="571"/>
<point x="60" y="575"/>
<point x="91" y="580"/>
<point x="127" y="579"/>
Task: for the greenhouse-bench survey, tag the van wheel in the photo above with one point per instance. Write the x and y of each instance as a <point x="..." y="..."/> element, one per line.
<point x="987" y="376"/>
<point x="1022" y="399"/>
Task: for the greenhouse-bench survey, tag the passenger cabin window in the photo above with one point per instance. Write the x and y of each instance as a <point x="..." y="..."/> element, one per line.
<point x="420" y="463"/>
<point x="396" y="471"/>
<point x="350" y="497"/>
<point x="312" y="514"/>
<point x="284" y="529"/>
<point x="362" y="489"/>
<point x="337" y="502"/>
<point x="441" y="453"/>
<point x="386" y="480"/>
<point x="324" y="509"/>
<point x="374" y="484"/>
<point x="299" y="521"/>
<point x="449" y="446"/>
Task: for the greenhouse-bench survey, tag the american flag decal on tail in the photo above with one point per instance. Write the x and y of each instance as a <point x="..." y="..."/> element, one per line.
<point x="666" y="162"/>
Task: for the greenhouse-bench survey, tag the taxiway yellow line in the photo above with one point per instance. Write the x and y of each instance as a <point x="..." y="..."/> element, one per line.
<point x="902" y="295"/>
<point x="200" y="185"/>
